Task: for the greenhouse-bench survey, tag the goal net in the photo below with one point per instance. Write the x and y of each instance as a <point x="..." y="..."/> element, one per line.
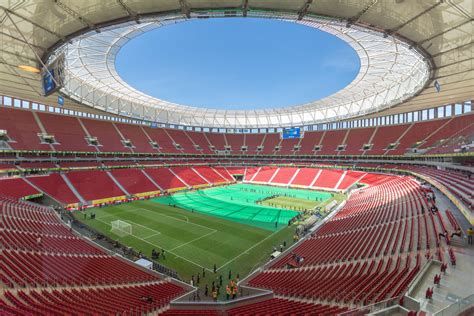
<point x="121" y="228"/>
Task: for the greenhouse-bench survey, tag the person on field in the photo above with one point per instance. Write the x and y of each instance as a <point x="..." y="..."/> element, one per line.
<point x="470" y="233"/>
<point x="214" y="295"/>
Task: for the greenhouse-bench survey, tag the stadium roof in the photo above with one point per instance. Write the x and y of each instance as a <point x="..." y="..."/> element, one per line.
<point x="435" y="37"/>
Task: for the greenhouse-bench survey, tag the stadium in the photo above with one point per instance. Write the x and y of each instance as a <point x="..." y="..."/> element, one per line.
<point x="114" y="201"/>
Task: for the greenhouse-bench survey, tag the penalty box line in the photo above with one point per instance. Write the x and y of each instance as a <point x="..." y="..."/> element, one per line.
<point x="129" y="221"/>
<point x="174" y="218"/>
<point x="167" y="250"/>
<point x="212" y="231"/>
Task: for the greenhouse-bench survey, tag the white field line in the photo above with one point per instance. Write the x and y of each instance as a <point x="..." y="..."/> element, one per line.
<point x="246" y="251"/>
<point x="152" y="235"/>
<point x="167" y="250"/>
<point x="129" y="221"/>
<point x="99" y="217"/>
<point x="176" y="219"/>
<point x="171" y="250"/>
<point x="161" y="214"/>
<point x="322" y="202"/>
<point x="195" y="239"/>
<point x="231" y="260"/>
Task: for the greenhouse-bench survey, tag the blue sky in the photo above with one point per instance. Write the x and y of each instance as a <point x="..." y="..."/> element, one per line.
<point x="237" y="63"/>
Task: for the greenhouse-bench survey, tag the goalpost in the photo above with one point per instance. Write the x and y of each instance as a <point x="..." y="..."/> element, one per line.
<point x="121" y="228"/>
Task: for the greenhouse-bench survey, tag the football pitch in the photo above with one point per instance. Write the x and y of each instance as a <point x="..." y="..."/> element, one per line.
<point x="238" y="202"/>
<point x="200" y="239"/>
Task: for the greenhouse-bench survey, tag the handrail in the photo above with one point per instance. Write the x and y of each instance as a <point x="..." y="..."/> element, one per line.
<point x="462" y="305"/>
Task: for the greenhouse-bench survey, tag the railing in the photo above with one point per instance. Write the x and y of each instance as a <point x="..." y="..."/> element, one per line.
<point x="373" y="307"/>
<point x="464" y="306"/>
<point x="424" y="270"/>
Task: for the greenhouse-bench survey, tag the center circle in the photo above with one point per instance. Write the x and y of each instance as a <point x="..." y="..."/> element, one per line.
<point x="237" y="64"/>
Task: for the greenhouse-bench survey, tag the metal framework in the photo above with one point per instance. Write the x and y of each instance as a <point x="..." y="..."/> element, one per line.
<point x="391" y="72"/>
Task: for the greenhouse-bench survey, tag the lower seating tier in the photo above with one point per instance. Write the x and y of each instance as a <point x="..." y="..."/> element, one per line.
<point x="40" y="269"/>
<point x="128" y="300"/>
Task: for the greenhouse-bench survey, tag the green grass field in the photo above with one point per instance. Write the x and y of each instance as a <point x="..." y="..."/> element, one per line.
<point x="200" y="239"/>
<point x="192" y="241"/>
<point x="292" y="203"/>
<point x="300" y="204"/>
<point x="238" y="202"/>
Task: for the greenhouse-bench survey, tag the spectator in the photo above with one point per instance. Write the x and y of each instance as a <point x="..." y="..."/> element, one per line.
<point x="429" y="293"/>
<point x="458" y="233"/>
<point x="444" y="266"/>
<point x="147" y="299"/>
<point x="445" y="234"/>
<point x="437" y="279"/>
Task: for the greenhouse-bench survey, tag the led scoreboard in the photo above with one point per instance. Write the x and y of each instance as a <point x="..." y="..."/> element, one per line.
<point x="291" y="132"/>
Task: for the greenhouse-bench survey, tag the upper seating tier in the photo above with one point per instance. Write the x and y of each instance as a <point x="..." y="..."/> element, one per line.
<point x="440" y="135"/>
